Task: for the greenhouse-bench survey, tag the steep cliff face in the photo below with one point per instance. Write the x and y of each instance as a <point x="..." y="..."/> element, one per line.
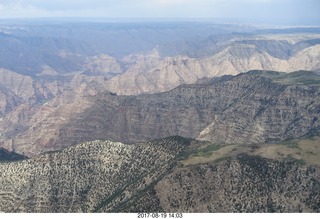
<point x="270" y="113"/>
<point x="149" y="177"/>
<point x="247" y="108"/>
<point x="150" y="58"/>
<point x="66" y="105"/>
<point x="102" y="65"/>
<point x="17" y="89"/>
<point x="38" y="124"/>
<point x="155" y="74"/>
<point x="50" y="108"/>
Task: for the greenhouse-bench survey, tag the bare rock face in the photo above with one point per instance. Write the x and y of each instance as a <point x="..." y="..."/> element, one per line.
<point x="247" y="108"/>
<point x="102" y="65"/>
<point x="65" y="110"/>
<point x="17" y="89"/>
<point x="52" y="106"/>
<point x="155" y="74"/>
<point x="33" y="128"/>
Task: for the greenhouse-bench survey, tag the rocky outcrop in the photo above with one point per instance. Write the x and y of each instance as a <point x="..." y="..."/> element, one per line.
<point x="154" y="74"/>
<point x="246" y="108"/>
<point x="270" y="113"/>
<point x="69" y="93"/>
<point x="17" y="89"/>
<point x="152" y="58"/>
<point x="51" y="108"/>
<point x="38" y="124"/>
<point x="102" y="65"/>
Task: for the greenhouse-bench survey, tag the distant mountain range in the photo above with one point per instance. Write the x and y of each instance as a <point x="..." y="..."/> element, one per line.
<point x="158" y="117"/>
<point x="66" y="47"/>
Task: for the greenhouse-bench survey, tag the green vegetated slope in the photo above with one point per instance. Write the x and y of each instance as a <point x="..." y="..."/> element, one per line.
<point x="303" y="151"/>
<point x="87" y="177"/>
<point x="282" y="177"/>
<point x="294" y="78"/>
<point x="162" y="175"/>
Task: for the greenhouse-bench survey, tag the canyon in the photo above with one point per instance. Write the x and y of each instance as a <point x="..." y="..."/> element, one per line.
<point x="254" y="107"/>
<point x="159" y="117"/>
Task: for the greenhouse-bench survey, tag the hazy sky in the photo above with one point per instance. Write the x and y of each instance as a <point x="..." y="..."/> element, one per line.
<point x="249" y="9"/>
